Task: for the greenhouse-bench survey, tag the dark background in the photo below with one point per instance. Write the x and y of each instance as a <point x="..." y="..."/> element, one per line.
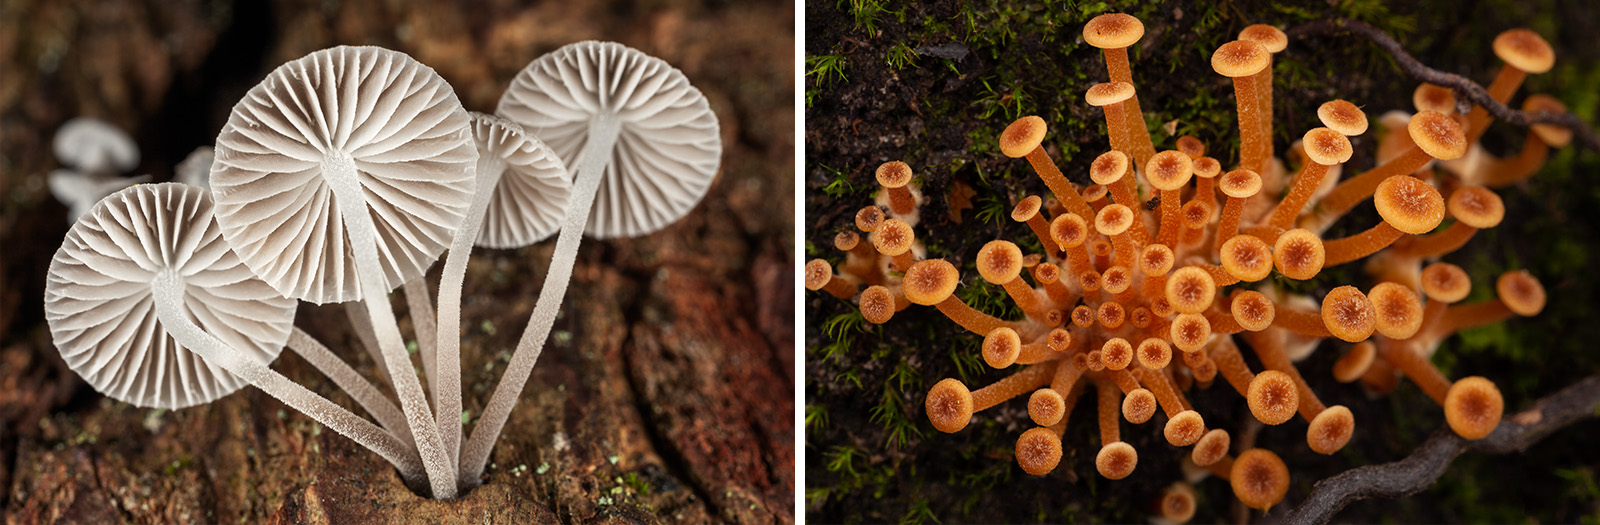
<point x="665" y="395"/>
<point x="873" y="97"/>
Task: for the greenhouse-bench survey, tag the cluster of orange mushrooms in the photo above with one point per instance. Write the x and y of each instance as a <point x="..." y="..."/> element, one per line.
<point x="1124" y="281"/>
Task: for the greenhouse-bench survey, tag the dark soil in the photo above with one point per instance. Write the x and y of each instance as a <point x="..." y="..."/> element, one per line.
<point x="903" y="91"/>
<point x="665" y="394"/>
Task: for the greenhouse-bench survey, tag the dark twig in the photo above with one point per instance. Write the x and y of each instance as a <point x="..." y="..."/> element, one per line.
<point x="1465" y="89"/>
<point x="1424" y="466"/>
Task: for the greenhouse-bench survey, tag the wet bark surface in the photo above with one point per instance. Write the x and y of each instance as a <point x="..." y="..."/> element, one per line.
<point x="662" y="396"/>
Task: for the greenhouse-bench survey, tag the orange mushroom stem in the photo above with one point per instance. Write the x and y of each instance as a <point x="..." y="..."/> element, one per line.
<point x="1024" y="138"/>
<point x="1434" y="135"/>
<point x="895" y="177"/>
<point x="950" y="405"/>
<point x="1406" y="204"/>
<point x="819" y="276"/>
<point x="1241" y="60"/>
<point x="933" y="283"/>
<point x="1325" y="147"/>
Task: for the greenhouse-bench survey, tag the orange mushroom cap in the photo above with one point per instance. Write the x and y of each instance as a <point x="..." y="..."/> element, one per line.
<point x="1178" y="503"/>
<point x="1211" y="447"/>
<point x="1112" y="315"/>
<point x="1354" y="363"/>
<point x="1348" y="314"/>
<point x="877" y="304"/>
<point x="1191" y="146"/>
<point x="930" y="281"/>
<point x="1154" y="353"/>
<point x="1185" y="428"/>
<point x="1438" y="135"/>
<point x="1116" y="460"/>
<point x="1116" y="354"/>
<point x="1116" y="279"/>
<point x="1001" y="347"/>
<point x="1038" y="451"/>
<point x="1273" y="397"/>
<point x="893" y="237"/>
<point x="1253" y="310"/>
<point x="1436" y="98"/>
<point x="1207" y="167"/>
<point x="949" y="405"/>
<point x="1270" y="38"/>
<point x="999" y="262"/>
<point x="1083" y="316"/>
<point x="1069" y="230"/>
<point x="1027" y="208"/>
<point x="1521" y="292"/>
<point x="1408" y="204"/>
<point x="1259" y="478"/>
<point x="1139" y="406"/>
<point x="1169" y="170"/>
<point x="1343" y="117"/>
<point x="1022" y="136"/>
<point x="1046" y="407"/>
<point x="818" y="273"/>
<point x="1240" y="183"/>
<point x="1108" y="93"/>
<point x="1114" y="219"/>
<point x="1247" y="258"/>
<point x="1113" y="30"/>
<point x="869" y="218"/>
<point x="1477" y="206"/>
<point x="1299" y="254"/>
<point x="1398" y="310"/>
<point x="1327" y="147"/>
<point x="1109" y="167"/>
<point x="894" y="174"/>
<point x="846" y="240"/>
<point x="1059" y="338"/>
<point x="1445" y="282"/>
<point x="1525" y="50"/>
<point x="1195" y="214"/>
<point x="1156" y="259"/>
<point x="1473" y="407"/>
<point x="1240" y="58"/>
<point x="1190" y="290"/>
<point x="1331" y="429"/>
<point x="1553" y="135"/>
<point x="1189" y="332"/>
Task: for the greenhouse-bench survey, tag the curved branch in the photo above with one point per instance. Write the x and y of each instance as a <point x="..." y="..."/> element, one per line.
<point x="1465" y="89"/>
<point x="1424" y="466"/>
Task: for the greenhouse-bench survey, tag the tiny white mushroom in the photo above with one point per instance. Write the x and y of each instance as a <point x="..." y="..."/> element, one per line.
<point x="91" y="145"/>
<point x="79" y="190"/>
<point x="195" y="170"/>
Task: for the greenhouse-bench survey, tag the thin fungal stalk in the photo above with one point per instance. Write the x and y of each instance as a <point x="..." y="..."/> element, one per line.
<point x="349" y="380"/>
<point x="603" y="132"/>
<point x="167" y="296"/>
<point x="340" y="171"/>
<point x="1353" y="190"/>
<point x="419" y="304"/>
<point x="1251" y="134"/>
<point x="1340" y="251"/>
<point x="1305" y="184"/>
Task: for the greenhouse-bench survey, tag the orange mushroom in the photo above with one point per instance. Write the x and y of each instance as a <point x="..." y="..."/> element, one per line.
<point x="895" y="177"/>
<point x="1406" y="204"/>
<point x="1259" y="478"/>
<point x="819" y="276"/>
<point x="933" y="283"/>
<point x="1241" y="60"/>
<point x="1113" y="33"/>
<point x="1024" y="138"/>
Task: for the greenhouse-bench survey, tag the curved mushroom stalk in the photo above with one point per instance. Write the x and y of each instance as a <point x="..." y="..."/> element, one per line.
<point x="351" y="150"/>
<point x="145" y="283"/>
<point x="640" y="137"/>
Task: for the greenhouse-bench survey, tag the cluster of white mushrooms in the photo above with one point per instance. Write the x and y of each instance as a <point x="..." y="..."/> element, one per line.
<point x="344" y="175"/>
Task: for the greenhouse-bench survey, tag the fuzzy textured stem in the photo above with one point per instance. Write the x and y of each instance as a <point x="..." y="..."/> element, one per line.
<point x="1251" y="133"/>
<point x="1340" y="251"/>
<point x="1305" y="184"/>
<point x="1422" y="372"/>
<point x="1058" y="184"/>
<point x="1505" y="83"/>
<point x="1027" y="380"/>
<point x="419" y="305"/>
<point x="978" y="322"/>
<point x="1434" y="245"/>
<point x="1118" y="70"/>
<point x="1356" y="189"/>
<point x="351" y="382"/>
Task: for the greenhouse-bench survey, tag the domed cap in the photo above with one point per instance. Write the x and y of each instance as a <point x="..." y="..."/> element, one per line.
<point x="1327" y="147"/>
<point x="1156" y="259"/>
<point x="1109" y="167"/>
<point x="1270" y="38"/>
<point x="1525" y="50"/>
<point x="1169" y="170"/>
<point x="669" y="146"/>
<point x="1116" y="460"/>
<point x="1191" y="146"/>
<point x="1240" y="183"/>
<point x="1001" y="347"/>
<point x="1108" y="93"/>
<point x="1435" y="98"/>
<point x="1408" y="204"/>
<point x="894" y="174"/>
<point x="1354" y="363"/>
<point x="877" y="304"/>
<point x="1139" y="406"/>
<point x="1247" y="258"/>
<point x="869" y="218"/>
<point x="1477" y="206"/>
<point x="1259" y="478"/>
<point x="818" y="274"/>
<point x="533" y="190"/>
<point x="1022" y="137"/>
<point x="1343" y="117"/>
<point x="1438" y="135"/>
<point x="1190" y="290"/>
<point x="1184" y="429"/>
<point x="1273" y="397"/>
<point x="1117" y="353"/>
<point x="1473" y="407"/>
<point x="1038" y="451"/>
<point x="1299" y="254"/>
<point x="90" y="145"/>
<point x="1114" y="219"/>
<point x="949" y="405"/>
<point x="1398" y="310"/>
<point x="1046" y="407"/>
<point x="1207" y="167"/>
<point x="368" y="119"/>
<point x="1445" y="282"/>
<point x="1113" y="30"/>
<point x="1059" y="338"/>
<point x="929" y="282"/>
<point x="1069" y="230"/>
<point x="1521" y="292"/>
<point x="1253" y="310"/>
<point x="1154" y="353"/>
<point x="1027" y="208"/>
<point x="1240" y="58"/>
<point x="1553" y="135"/>
<point x="893" y="237"/>
<point x="999" y="262"/>
<point x="1331" y="429"/>
<point x="99" y="298"/>
<point x="1211" y="447"/>
<point x="1348" y="314"/>
<point x="1189" y="332"/>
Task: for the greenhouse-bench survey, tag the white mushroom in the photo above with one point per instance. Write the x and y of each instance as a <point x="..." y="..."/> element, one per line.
<point x="144" y="284"/>
<point x="79" y="190"/>
<point x="91" y="145"/>
<point x="635" y="134"/>
<point x="339" y="177"/>
<point x="195" y="170"/>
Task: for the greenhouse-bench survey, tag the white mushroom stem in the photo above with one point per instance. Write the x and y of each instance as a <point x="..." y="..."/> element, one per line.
<point x="363" y="328"/>
<point x="167" y="292"/>
<point x="340" y="172"/>
<point x="592" y="163"/>
<point x="352" y="383"/>
<point x="419" y="303"/>
<point x="447" y="390"/>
